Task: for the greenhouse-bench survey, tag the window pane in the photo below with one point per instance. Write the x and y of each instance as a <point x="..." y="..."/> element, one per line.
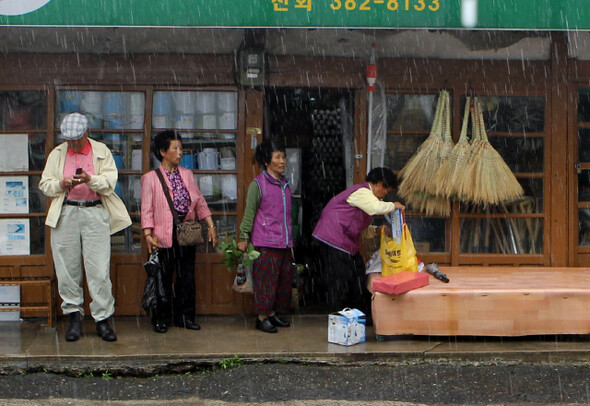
<point x="129" y="190"/>
<point x="428" y="234"/>
<point x="23" y="110"/>
<point x="584" y="186"/>
<point x="227" y="229"/>
<point x="37" y="235"/>
<point x="206" y="151"/>
<point x="129" y="239"/>
<point x="220" y="191"/>
<point x="502" y="235"/>
<point x="410" y="112"/>
<point x="37" y="151"/>
<point x="400" y="147"/>
<point x="584" y="105"/>
<point x="584" y="145"/>
<point x="108" y="110"/>
<point x="514" y="114"/>
<point x="37" y="200"/>
<point x="195" y="110"/>
<point x="532" y="202"/>
<point x="521" y="154"/>
<point x="584" y="224"/>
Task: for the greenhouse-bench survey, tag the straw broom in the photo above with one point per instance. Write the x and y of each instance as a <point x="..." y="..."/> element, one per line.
<point x="410" y="173"/>
<point x="465" y="175"/>
<point x="493" y="181"/>
<point x="441" y="150"/>
<point x="436" y="204"/>
<point x="454" y="166"/>
<point x="418" y="184"/>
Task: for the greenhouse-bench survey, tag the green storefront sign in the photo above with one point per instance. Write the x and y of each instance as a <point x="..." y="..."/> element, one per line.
<point x="491" y="14"/>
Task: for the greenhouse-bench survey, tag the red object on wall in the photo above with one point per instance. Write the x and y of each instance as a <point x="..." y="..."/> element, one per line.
<point x="401" y="282"/>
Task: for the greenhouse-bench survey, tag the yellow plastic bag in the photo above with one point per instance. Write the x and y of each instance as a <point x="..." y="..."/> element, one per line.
<point x="398" y="256"/>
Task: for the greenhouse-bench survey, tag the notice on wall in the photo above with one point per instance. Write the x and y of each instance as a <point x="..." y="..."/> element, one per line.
<point x="14" y="194"/>
<point x="14" y="154"/>
<point x="14" y="237"/>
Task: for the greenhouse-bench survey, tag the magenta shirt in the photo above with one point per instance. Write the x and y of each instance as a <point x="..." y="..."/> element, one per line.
<point x="180" y="196"/>
<point x="84" y="160"/>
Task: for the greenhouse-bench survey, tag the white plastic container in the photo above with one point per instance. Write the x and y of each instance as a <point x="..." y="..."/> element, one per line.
<point x="184" y="121"/>
<point x="135" y="111"/>
<point x="184" y="102"/>
<point x="206" y="103"/>
<point x="227" y="121"/>
<point x="229" y="187"/>
<point x="161" y="121"/>
<point x="136" y="160"/>
<point x="227" y="102"/>
<point x="206" y="121"/>
<point x="208" y="159"/>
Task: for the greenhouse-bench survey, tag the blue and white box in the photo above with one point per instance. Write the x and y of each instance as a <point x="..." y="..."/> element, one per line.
<point x="397" y="225"/>
<point x="347" y="327"/>
<point x="9" y="299"/>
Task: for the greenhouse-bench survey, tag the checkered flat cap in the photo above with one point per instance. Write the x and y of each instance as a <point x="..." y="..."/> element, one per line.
<point x="74" y="126"/>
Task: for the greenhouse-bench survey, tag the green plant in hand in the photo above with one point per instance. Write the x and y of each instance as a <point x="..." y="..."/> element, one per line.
<point x="232" y="256"/>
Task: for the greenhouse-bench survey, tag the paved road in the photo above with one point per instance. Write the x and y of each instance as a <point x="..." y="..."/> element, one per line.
<point x="312" y="385"/>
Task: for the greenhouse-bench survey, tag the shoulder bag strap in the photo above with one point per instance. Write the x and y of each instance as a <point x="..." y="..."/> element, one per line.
<point x="167" y="194"/>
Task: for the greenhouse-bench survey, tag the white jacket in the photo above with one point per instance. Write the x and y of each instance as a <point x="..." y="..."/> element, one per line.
<point x="103" y="183"/>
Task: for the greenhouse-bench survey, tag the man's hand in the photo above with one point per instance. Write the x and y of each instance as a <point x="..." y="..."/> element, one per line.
<point x="82" y="177"/>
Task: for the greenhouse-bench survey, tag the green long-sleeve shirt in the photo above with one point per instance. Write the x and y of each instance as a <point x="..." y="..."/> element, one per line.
<point x="252" y="204"/>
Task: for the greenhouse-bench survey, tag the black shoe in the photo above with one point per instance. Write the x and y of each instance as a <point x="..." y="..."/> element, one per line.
<point x="274" y="319"/>
<point x="160" y="328"/>
<point x="265" y="325"/>
<point x="189" y="325"/>
<point x="105" y="331"/>
<point x="75" y="328"/>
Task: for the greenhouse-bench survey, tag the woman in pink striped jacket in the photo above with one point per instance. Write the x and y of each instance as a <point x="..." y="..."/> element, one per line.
<point x="157" y="222"/>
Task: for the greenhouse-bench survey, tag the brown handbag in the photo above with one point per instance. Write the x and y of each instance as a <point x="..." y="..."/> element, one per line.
<point x="188" y="232"/>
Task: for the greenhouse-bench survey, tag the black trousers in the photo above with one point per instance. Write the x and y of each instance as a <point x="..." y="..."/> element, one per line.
<point x="345" y="278"/>
<point x="180" y="261"/>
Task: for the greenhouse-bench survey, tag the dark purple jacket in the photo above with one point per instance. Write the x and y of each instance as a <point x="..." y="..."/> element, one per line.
<point x="272" y="224"/>
<point x="341" y="224"/>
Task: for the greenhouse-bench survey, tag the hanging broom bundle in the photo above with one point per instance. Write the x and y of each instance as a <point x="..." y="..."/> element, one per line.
<point x="453" y="168"/>
<point x="418" y="186"/>
<point x="410" y="173"/>
<point x="492" y="181"/>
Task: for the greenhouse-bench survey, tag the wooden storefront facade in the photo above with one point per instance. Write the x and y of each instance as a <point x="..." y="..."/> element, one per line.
<point x="557" y="83"/>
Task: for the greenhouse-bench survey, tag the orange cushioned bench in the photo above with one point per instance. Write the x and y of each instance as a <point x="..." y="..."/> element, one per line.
<point x="490" y="301"/>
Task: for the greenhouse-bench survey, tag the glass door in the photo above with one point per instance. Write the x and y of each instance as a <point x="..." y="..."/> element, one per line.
<point x="582" y="178"/>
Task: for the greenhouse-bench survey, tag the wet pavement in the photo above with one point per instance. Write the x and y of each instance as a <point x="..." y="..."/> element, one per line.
<point x="230" y="362"/>
<point x="29" y="346"/>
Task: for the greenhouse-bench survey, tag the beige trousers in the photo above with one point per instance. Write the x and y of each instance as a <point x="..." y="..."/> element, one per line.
<point x="83" y="232"/>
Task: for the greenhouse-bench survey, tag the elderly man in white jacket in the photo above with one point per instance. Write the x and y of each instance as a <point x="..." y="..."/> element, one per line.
<point x="80" y="176"/>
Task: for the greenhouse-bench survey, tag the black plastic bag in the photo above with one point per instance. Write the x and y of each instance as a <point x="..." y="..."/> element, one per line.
<point x="153" y="291"/>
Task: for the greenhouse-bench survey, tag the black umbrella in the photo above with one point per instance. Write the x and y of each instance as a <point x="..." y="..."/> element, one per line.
<point x="153" y="292"/>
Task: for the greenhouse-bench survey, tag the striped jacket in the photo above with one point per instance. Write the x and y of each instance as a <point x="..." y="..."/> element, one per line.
<point x="155" y="211"/>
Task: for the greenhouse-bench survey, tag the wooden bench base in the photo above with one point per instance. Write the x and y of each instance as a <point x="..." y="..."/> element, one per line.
<point x="490" y="301"/>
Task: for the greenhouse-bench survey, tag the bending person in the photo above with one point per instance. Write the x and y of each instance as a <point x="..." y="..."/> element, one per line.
<point x="338" y="231"/>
